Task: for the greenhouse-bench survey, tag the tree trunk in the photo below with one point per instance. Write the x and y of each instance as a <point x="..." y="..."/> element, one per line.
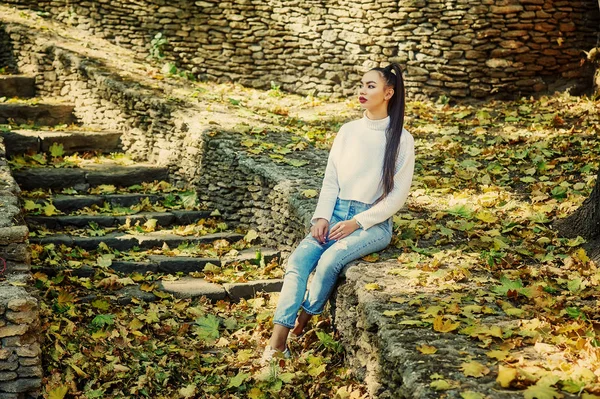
<point x="585" y="222"/>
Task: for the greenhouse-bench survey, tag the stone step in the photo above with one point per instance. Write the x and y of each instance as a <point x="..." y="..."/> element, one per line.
<point x="168" y="264"/>
<point x="72" y="203"/>
<point x="164" y="219"/>
<point x="37" y="114"/>
<point x="89" y="175"/>
<point x="123" y="241"/>
<point x="249" y="255"/>
<point x="165" y="264"/>
<point x="190" y="287"/>
<point x="17" y="86"/>
<point x="188" y="264"/>
<point x="36" y="141"/>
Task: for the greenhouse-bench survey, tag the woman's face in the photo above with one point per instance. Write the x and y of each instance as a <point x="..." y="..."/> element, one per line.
<point x="373" y="93"/>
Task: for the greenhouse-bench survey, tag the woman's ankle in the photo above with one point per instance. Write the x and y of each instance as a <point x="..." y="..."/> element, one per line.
<point x="278" y="346"/>
<point x="279" y="337"/>
<point x="301" y="323"/>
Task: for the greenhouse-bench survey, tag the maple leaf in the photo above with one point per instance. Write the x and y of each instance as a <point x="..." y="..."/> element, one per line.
<point x="474" y="369"/>
<point x="505" y="376"/>
<point x="103" y="320"/>
<point x="310" y="193"/>
<point x="541" y="392"/>
<point x="372" y="287"/>
<point x="315" y="371"/>
<point x="498" y="354"/>
<point x="238" y="380"/>
<point x="440" y="385"/>
<point x="441" y="325"/>
<point x="472" y="395"/>
<point x="58" y="392"/>
<point x="150" y="225"/>
<point x="189" y="391"/>
<point x="65" y="297"/>
<point x="29" y="205"/>
<point x="250" y="236"/>
<point x="427" y="349"/>
<point x="56" y="150"/>
<point x="208" y="328"/>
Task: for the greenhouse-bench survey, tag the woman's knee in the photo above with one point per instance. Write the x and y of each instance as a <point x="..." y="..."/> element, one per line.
<point x="329" y="265"/>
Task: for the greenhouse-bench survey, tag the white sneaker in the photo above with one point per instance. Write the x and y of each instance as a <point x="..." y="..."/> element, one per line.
<point x="269" y="353"/>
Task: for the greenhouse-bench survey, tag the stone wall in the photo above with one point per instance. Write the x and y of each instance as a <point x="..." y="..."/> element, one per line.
<point x="251" y="192"/>
<point x="460" y="48"/>
<point x="20" y="356"/>
<point x="256" y="193"/>
<point x="103" y="100"/>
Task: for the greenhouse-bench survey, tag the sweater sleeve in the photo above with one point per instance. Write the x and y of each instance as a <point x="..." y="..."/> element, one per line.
<point x="397" y="197"/>
<point x="330" y="188"/>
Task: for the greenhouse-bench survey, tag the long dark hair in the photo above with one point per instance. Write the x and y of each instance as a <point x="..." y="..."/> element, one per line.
<point x="392" y="74"/>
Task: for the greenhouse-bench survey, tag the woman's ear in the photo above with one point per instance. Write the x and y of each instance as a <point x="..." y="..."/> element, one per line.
<point x="389" y="93"/>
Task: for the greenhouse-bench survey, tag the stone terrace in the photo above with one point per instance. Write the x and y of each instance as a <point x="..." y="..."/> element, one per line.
<point x="201" y="143"/>
<point x="458" y="48"/>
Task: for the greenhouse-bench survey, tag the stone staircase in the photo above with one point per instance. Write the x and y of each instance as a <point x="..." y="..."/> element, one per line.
<point x="73" y="193"/>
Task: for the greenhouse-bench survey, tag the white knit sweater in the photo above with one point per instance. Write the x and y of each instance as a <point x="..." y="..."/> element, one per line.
<point x="355" y="168"/>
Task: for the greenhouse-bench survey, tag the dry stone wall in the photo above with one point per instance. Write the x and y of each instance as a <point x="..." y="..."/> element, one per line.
<point x="20" y="356"/>
<point x="459" y="48"/>
<point x="250" y="192"/>
<point x="256" y="193"/>
<point x="152" y="127"/>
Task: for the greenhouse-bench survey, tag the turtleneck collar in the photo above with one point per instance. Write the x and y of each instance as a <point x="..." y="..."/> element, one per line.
<point x="377" y="124"/>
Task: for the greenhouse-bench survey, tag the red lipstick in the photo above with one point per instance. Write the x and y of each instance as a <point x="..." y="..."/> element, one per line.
<point x="362" y="99"/>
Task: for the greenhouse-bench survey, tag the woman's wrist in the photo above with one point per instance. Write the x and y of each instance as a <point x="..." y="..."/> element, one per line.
<point x="358" y="225"/>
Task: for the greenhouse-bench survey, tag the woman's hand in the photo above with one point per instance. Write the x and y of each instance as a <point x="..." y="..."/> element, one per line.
<point x="319" y="230"/>
<point x="343" y="229"/>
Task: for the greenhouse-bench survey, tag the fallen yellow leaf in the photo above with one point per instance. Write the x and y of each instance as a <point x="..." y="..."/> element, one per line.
<point x="440" y="385"/>
<point x="498" y="355"/>
<point x="541" y="392"/>
<point x="392" y="313"/>
<point x="427" y="349"/>
<point x="505" y="376"/>
<point x="441" y="325"/>
<point x="471" y="395"/>
<point x="474" y="369"/>
<point x="372" y="287"/>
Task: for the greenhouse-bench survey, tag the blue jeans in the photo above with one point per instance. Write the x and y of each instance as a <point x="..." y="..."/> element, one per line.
<point x="328" y="259"/>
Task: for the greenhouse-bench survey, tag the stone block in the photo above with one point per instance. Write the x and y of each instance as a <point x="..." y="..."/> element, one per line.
<point x="8" y="376"/>
<point x="13" y="330"/>
<point x="30" y="361"/>
<point x="17" y="86"/>
<point x="22" y="317"/>
<point x="50" y="178"/>
<point x="508" y="9"/>
<point x="30" y="371"/>
<point x="21" y="385"/>
<point x="15" y="252"/>
<point x="189" y="287"/>
<point x="23" y="304"/>
<point x="9" y="365"/>
<point x="42" y="114"/>
<point x="237" y="291"/>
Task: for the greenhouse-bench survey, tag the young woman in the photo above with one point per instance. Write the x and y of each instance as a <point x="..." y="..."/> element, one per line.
<point x="367" y="179"/>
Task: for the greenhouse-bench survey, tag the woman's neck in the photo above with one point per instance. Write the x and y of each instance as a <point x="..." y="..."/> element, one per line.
<point x="376" y="114"/>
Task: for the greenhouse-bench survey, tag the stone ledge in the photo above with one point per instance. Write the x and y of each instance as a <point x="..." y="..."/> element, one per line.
<point x="383" y="351"/>
<point x="20" y="356"/>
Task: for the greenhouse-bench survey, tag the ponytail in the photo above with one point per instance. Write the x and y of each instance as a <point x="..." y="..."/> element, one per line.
<point x="392" y="75"/>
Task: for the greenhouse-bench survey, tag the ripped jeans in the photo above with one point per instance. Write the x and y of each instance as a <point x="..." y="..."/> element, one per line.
<point x="327" y="260"/>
